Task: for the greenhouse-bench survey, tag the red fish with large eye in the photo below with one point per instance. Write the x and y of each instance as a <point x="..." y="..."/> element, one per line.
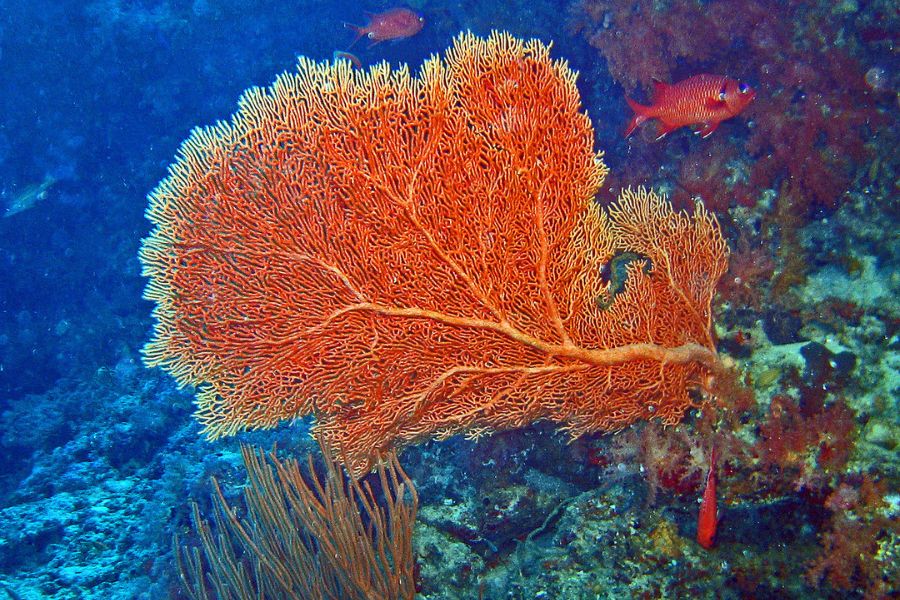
<point x="702" y="100"/>
<point x="393" y="24"/>
<point x="708" y="519"/>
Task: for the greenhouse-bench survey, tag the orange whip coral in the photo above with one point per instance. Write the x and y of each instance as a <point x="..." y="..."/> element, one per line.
<point x="405" y="257"/>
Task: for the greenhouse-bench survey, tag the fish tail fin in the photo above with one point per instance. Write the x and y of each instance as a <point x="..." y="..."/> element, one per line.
<point x="640" y="115"/>
<point x="360" y="31"/>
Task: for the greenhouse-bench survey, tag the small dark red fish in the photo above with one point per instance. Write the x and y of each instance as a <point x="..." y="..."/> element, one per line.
<point x="701" y="100"/>
<point x="708" y="520"/>
<point x="341" y="55"/>
<point x="393" y="24"/>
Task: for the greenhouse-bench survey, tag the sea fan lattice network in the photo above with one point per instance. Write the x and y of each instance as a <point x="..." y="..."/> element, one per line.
<point x="406" y="257"/>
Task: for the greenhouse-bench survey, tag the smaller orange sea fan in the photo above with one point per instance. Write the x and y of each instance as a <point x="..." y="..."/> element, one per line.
<point x="405" y="257"/>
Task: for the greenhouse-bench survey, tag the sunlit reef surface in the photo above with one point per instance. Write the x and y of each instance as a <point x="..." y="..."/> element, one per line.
<point x="101" y="457"/>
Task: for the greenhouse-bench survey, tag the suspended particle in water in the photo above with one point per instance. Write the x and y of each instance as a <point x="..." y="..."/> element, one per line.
<point x="877" y="79"/>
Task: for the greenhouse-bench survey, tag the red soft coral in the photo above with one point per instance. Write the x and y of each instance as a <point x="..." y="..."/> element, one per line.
<point x="813" y="114"/>
<point x="851" y="548"/>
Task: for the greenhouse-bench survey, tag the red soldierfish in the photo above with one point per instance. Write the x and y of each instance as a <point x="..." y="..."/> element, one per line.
<point x="702" y="100"/>
<point x="393" y="24"/>
<point x="709" y="518"/>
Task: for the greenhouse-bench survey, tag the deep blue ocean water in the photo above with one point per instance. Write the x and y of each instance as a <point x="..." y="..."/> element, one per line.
<point x="101" y="457"/>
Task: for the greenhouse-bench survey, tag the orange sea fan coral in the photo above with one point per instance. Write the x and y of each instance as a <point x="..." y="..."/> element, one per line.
<point x="405" y="257"/>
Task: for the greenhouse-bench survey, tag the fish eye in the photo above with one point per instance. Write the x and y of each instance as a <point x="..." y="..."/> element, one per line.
<point x="370" y="35"/>
<point x="743" y="88"/>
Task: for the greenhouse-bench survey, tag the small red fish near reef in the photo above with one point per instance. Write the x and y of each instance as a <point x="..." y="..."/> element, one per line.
<point x="703" y="100"/>
<point x="393" y="24"/>
<point x="352" y="58"/>
<point x="709" y="518"/>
